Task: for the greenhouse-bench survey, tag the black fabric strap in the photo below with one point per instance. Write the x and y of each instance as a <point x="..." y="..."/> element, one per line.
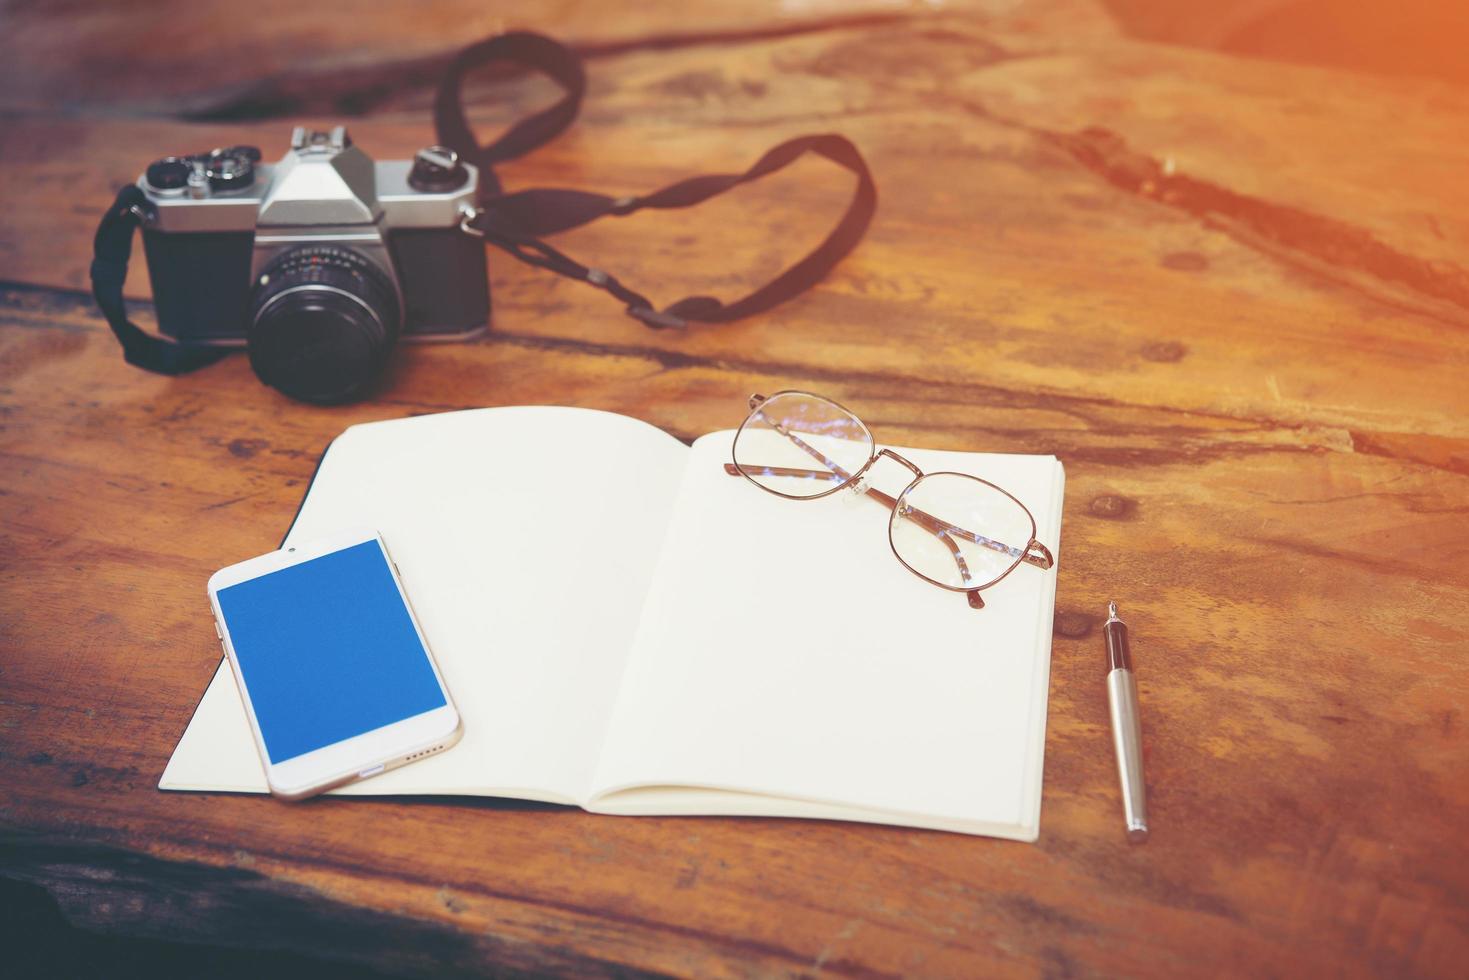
<point x="528" y="50"/>
<point x="515" y="221"/>
<point x="110" y="252"/>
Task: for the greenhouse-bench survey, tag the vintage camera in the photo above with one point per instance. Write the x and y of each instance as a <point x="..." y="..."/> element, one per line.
<point x="317" y="264"/>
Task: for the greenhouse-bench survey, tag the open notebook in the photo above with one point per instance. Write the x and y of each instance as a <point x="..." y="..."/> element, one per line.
<point x="627" y="628"/>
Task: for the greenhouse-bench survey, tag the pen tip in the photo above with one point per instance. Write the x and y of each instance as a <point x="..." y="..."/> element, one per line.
<point x="1112" y="610"/>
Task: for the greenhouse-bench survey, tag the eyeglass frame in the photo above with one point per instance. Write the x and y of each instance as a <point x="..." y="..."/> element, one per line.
<point x="1044" y="560"/>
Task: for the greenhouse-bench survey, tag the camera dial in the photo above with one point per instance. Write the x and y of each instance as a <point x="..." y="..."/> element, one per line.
<point x="168" y="174"/>
<point x="251" y="153"/>
<point x="227" y="170"/>
<point x="323" y="321"/>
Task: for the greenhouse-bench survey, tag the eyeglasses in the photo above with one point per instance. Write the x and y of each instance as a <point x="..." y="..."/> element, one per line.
<point x="930" y="527"/>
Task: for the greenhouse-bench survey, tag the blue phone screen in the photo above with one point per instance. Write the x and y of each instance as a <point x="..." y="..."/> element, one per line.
<point x="327" y="650"/>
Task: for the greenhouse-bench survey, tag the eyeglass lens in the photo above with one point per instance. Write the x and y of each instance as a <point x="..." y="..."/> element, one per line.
<point x="959" y="531"/>
<point x="800" y="445"/>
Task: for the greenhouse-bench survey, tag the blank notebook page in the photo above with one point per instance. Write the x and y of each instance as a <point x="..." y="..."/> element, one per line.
<point x="526" y="538"/>
<point x="784" y="651"/>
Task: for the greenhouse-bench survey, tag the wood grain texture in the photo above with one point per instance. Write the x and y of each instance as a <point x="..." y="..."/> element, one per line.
<point x="1229" y="294"/>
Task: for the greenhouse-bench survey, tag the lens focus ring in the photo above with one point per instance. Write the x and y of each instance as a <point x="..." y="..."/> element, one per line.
<point x="323" y="321"/>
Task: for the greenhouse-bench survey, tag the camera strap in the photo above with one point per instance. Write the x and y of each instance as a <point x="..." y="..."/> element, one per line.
<point x="516" y="221"/>
<point x="111" y="250"/>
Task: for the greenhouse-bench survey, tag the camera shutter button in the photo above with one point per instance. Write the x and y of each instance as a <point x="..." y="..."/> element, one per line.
<point x="436" y="170"/>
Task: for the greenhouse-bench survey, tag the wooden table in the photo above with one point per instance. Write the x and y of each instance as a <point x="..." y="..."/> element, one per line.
<point x="1231" y="294"/>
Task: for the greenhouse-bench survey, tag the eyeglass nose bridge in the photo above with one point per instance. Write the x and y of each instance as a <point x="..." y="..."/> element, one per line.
<point x="895" y="457"/>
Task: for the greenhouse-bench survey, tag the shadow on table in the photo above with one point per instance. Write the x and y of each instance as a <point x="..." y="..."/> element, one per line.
<point x="39" y="943"/>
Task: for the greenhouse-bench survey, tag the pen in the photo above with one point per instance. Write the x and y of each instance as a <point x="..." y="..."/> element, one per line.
<point x="1127" y="733"/>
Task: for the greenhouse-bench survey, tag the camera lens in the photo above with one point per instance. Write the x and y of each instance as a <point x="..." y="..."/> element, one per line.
<point x="324" y="319"/>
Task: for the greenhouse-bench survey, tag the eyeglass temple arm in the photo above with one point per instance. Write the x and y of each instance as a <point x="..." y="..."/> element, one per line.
<point x="805" y="446"/>
<point x="929" y="523"/>
<point x="1038" y="555"/>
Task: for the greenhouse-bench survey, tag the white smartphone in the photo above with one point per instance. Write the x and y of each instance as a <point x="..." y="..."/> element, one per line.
<point x="336" y="675"/>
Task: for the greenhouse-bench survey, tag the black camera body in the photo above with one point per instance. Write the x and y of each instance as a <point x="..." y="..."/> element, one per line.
<point x="318" y="264"/>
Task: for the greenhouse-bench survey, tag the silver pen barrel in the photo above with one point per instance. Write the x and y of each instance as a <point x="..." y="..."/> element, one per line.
<point x="1127" y="734"/>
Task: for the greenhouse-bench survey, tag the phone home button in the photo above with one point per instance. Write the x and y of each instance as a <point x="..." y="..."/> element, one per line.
<point x="371" y="771"/>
